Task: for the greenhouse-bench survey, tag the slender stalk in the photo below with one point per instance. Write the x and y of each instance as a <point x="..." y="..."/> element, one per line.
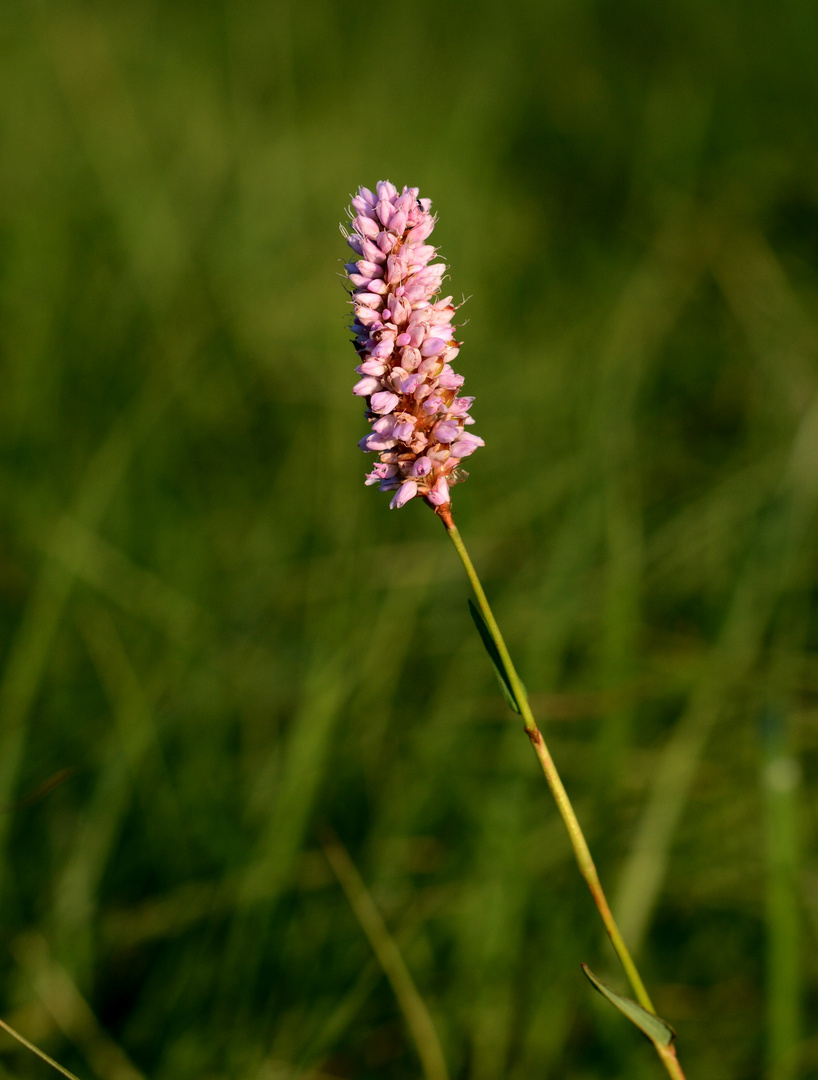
<point x="668" y="1057"/>
<point x="581" y="851"/>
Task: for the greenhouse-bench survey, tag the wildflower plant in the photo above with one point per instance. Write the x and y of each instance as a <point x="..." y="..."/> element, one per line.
<point x="405" y="341"/>
<point x="404" y="337"/>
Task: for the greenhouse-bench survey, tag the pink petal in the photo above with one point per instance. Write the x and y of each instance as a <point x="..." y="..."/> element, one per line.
<point x="439" y="494"/>
<point x="384" y="402"/>
<point x="368" y="385"/>
<point x="408" y="490"/>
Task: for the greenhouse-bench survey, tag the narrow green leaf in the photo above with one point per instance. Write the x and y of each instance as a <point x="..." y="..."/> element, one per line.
<point x="496" y="659"/>
<point x="656" y="1029"/>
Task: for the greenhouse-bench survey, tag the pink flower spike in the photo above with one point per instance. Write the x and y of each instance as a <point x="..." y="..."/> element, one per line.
<point x="404" y="336"/>
<point x="408" y="490"/>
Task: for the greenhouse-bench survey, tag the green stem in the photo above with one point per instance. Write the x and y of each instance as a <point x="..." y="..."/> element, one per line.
<point x="581" y="851"/>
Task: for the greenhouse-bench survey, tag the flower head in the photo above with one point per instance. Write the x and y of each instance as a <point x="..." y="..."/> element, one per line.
<point x="404" y="338"/>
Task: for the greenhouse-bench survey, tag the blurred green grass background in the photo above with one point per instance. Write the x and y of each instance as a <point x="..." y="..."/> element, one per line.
<point x="217" y="644"/>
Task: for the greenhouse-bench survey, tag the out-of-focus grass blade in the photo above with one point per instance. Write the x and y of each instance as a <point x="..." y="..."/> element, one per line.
<point x="781" y="781"/>
<point x="36" y="1050"/>
<point x="491" y="649"/>
<point x="413" y="1007"/>
<point x="656" y="1029"/>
